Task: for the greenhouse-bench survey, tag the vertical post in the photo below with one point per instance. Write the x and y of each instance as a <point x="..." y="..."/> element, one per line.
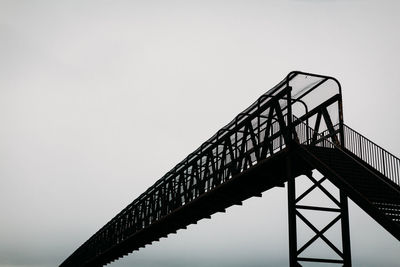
<point x="341" y="126"/>
<point x="291" y="187"/>
<point x="291" y="214"/>
<point x="345" y="230"/>
<point x="289" y="114"/>
<point x="343" y="199"/>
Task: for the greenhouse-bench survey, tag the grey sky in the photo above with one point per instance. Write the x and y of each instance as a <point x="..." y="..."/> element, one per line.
<point x="98" y="99"/>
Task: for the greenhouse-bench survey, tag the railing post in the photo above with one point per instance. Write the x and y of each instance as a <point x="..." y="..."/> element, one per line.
<point x="341" y="124"/>
<point x="289" y="114"/>
<point x="383" y="163"/>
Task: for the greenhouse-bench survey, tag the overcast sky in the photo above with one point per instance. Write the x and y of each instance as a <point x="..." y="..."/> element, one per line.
<point x="98" y="99"/>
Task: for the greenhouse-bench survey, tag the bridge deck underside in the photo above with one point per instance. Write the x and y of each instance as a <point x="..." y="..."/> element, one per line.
<point x="252" y="182"/>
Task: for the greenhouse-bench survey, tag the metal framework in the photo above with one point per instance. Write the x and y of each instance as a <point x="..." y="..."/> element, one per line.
<point x="312" y="136"/>
<point x="341" y="215"/>
<point x="273" y="141"/>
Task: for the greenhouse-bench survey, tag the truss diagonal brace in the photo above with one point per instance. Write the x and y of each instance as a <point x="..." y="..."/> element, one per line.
<point x="343" y="252"/>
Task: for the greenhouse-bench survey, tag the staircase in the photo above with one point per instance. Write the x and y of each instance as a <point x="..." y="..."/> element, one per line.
<point x="363" y="181"/>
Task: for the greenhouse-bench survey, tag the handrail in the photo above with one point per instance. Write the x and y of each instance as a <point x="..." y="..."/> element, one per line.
<point x="372" y="154"/>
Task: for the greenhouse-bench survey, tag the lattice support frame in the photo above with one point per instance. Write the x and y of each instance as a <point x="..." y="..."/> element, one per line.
<point x="295" y="213"/>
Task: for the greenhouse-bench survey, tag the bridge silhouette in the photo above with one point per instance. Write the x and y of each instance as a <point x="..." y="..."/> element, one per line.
<point x="293" y="130"/>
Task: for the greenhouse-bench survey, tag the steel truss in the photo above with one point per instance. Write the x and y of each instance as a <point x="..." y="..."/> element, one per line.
<point x="263" y="133"/>
<point x="296" y="213"/>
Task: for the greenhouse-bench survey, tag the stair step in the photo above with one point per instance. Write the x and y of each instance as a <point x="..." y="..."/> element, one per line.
<point x="387" y="204"/>
<point x="368" y="182"/>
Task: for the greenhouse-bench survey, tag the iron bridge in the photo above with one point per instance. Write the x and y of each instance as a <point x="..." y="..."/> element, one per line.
<point x="295" y="129"/>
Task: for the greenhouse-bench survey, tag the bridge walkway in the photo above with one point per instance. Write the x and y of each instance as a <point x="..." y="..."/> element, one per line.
<point x="286" y="133"/>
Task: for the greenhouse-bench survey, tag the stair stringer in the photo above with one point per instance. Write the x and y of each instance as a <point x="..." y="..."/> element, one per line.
<point x="358" y="198"/>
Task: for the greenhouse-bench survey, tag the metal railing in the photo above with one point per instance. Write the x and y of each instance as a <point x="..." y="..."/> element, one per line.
<point x="371" y="153"/>
<point x="375" y="156"/>
<point x="304" y="135"/>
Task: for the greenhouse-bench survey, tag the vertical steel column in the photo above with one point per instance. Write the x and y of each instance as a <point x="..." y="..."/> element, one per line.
<point x="291" y="188"/>
<point x="345" y="230"/>
<point x="343" y="197"/>
<point x="291" y="214"/>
